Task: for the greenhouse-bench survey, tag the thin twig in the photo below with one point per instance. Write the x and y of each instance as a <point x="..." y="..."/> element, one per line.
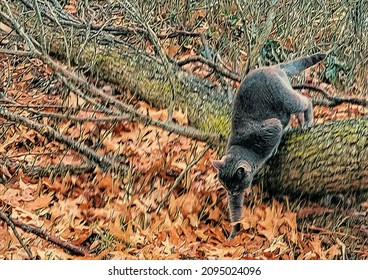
<point x="69" y="117"/>
<point x="10" y="18"/>
<point x="47" y="131"/>
<point x="72" y="87"/>
<point x="47" y="236"/>
<point x="66" y="116"/>
<point x="210" y="138"/>
<point x="180" y="177"/>
<point x="247" y="35"/>
<point x="16" y="52"/>
<point x="334" y="100"/>
<point x="20" y="239"/>
<point x="57" y="170"/>
<point x="102" y="161"/>
<point x="49" y="106"/>
<point x="114" y="30"/>
<point x="216" y="67"/>
<point x="40" y="22"/>
<point x="67" y="50"/>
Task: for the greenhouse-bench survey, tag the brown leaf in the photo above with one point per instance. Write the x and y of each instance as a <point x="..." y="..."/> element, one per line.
<point x="173" y="50"/>
<point x="269" y="219"/>
<point x="278" y="244"/>
<point x="116" y="230"/>
<point x="28" y="76"/>
<point x="181" y="117"/>
<point x="189" y="234"/>
<point x="268" y="233"/>
<point x="333" y="252"/>
<point x="215" y="214"/>
<point x="5" y="28"/>
<point x="174" y="236"/>
<point x="40" y="202"/>
<point x="317" y="246"/>
<point x="71" y="9"/>
<point x="4" y="170"/>
<point x="56" y="185"/>
<point x="201" y="234"/>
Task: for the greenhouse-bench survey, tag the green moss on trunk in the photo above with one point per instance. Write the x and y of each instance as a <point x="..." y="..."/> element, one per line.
<point x="327" y="158"/>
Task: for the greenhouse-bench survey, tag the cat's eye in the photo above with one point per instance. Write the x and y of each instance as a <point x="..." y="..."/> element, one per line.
<point x="240" y="173"/>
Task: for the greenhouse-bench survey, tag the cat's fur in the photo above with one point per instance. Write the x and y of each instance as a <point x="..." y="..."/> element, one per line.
<point x="261" y="112"/>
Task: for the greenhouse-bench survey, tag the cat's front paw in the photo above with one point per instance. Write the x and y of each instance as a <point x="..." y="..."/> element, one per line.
<point x="232" y="235"/>
<point x="234" y="232"/>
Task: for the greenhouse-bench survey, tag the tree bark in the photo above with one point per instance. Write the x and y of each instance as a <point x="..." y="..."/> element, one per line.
<point x="327" y="158"/>
<point x="331" y="157"/>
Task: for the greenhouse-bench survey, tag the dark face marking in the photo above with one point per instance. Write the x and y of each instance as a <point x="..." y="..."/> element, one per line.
<point x="234" y="174"/>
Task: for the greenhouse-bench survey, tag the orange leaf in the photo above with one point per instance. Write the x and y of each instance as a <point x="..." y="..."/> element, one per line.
<point x="268" y="234"/>
<point x="316" y="245"/>
<point x="181" y="117"/>
<point x="173" y="50"/>
<point x="174" y="236"/>
<point x="28" y="76"/>
<point x="40" y="202"/>
<point x="71" y="9"/>
<point x="215" y="214"/>
<point x="116" y="230"/>
<point x="333" y="252"/>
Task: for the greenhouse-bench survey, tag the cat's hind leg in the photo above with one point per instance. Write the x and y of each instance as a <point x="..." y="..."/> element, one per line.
<point x="294" y="102"/>
<point x="300" y="105"/>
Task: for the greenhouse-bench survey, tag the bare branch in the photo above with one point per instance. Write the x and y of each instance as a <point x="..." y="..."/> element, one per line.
<point x="67" y="116"/>
<point x="247" y="35"/>
<point x="45" y="235"/>
<point x="145" y="119"/>
<point x="58" y="170"/>
<point x="216" y="67"/>
<point x="102" y="161"/>
<point x="333" y="100"/>
<point x="10" y="223"/>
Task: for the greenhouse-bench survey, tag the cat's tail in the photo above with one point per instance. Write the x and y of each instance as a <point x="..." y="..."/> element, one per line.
<point x="296" y="66"/>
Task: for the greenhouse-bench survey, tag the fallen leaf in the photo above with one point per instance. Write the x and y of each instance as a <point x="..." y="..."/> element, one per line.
<point x="40" y="202"/>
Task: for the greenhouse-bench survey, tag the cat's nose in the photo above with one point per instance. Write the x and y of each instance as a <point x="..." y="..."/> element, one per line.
<point x="233" y="193"/>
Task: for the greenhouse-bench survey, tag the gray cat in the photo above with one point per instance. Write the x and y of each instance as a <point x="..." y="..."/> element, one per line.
<point x="261" y="112"/>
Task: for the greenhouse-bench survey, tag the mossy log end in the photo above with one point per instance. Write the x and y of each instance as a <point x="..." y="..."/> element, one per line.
<point x="327" y="158"/>
<point x="331" y="157"/>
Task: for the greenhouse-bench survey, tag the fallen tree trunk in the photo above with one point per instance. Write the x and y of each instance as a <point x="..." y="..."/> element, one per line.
<point x="331" y="157"/>
<point x="133" y="70"/>
<point x="327" y="158"/>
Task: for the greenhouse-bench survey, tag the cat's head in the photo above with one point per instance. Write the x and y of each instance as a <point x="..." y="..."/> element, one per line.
<point x="234" y="173"/>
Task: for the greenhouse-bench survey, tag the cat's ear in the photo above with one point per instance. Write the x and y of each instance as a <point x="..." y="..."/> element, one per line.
<point x="245" y="165"/>
<point x="218" y="163"/>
